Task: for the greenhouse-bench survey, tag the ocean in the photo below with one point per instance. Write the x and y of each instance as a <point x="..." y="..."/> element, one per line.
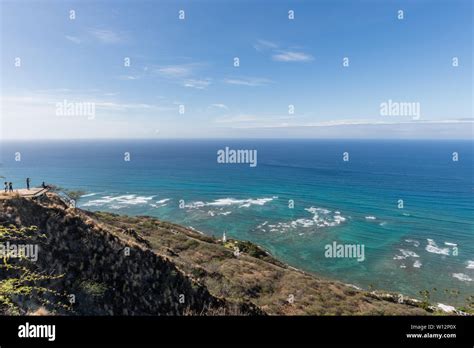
<point x="406" y="202"/>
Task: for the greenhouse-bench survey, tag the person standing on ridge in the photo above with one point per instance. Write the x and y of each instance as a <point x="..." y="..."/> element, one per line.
<point x="10" y="187"/>
<point x="28" y="183"/>
<point x="6" y="187"/>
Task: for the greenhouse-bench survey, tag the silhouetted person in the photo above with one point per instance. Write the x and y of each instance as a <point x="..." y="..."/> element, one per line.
<point x="43" y="185"/>
<point x="10" y="186"/>
<point x="6" y="187"/>
<point x="27" y="183"/>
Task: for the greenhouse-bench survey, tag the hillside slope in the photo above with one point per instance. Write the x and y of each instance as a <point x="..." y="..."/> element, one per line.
<point x="119" y="265"/>
<point x="100" y="272"/>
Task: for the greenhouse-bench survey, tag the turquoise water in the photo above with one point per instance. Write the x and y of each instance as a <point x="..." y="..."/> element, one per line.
<point x="429" y="243"/>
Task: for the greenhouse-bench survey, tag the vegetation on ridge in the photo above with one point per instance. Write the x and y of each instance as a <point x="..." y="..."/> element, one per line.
<point x="18" y="282"/>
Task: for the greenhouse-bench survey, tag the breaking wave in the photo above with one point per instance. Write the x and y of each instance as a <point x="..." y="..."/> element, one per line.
<point x="321" y="218"/>
<point x="222" y="202"/>
<point x="118" y="202"/>
<point x="405" y="254"/>
<point x="462" y="277"/>
<point x="432" y="247"/>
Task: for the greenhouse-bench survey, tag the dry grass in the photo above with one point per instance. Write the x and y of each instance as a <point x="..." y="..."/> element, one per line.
<point x="260" y="280"/>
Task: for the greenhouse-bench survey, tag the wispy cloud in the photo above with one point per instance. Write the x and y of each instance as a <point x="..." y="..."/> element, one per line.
<point x="292" y="56"/>
<point x="197" y="83"/>
<point x="248" y="81"/>
<point x="106" y="36"/>
<point x="185" y="75"/>
<point x="34" y="101"/>
<point x="280" y="54"/>
<point x="276" y="123"/>
<point x="136" y="107"/>
<point x="262" y="45"/>
<point x="128" y="77"/>
<point x="111" y="119"/>
<point x="176" y="71"/>
<point x="219" y="106"/>
<point x="74" y="39"/>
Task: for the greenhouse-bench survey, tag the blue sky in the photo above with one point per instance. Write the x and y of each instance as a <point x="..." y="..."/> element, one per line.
<point x="190" y="62"/>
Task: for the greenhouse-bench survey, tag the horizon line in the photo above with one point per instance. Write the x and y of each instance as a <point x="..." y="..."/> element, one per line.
<point x="232" y="138"/>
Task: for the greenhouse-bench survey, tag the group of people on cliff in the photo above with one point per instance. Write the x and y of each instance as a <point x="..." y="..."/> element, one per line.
<point x="9" y="185"/>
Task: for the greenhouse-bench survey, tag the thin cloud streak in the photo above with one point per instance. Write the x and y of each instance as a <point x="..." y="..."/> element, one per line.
<point x="185" y="75"/>
<point x="262" y="45"/>
<point x="291" y="56"/>
<point x="73" y="39"/>
<point x="248" y="81"/>
<point x="337" y="123"/>
<point x="106" y="36"/>
<point x="279" y="54"/>
<point x="219" y="106"/>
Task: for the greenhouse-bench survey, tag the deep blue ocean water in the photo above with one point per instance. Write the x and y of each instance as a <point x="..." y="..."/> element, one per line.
<point x="429" y="243"/>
